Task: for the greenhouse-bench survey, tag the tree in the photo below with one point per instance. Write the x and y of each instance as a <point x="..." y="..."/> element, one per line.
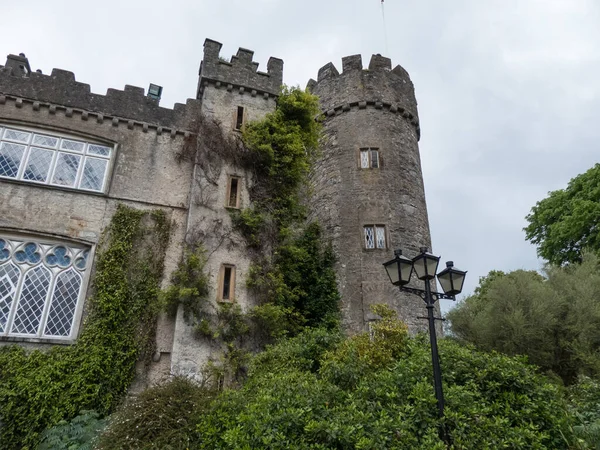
<point x="566" y="222"/>
<point x="554" y="321"/>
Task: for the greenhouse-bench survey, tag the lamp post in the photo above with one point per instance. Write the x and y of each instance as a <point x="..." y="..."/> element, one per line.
<point x="424" y="265"/>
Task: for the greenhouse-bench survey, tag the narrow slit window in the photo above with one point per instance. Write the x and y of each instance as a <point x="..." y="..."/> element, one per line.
<point x="233" y="193"/>
<point x="227" y="284"/>
<point x="239" y="118"/>
<point x="369" y="158"/>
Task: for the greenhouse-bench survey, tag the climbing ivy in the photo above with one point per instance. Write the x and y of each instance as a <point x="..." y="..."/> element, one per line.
<point x="294" y="275"/>
<point x="38" y="389"/>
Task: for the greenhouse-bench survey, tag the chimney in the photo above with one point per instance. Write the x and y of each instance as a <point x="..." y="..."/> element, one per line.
<point x="19" y="64"/>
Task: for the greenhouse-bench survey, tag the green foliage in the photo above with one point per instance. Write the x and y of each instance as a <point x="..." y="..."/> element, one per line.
<point x="584" y="399"/>
<point x="250" y="222"/>
<point x="282" y="146"/>
<point x="565" y="223"/>
<point x="319" y="391"/>
<point x="300" y="279"/>
<point x="78" y="434"/>
<point x="555" y="322"/>
<point x="39" y="389"/>
<point x="296" y="282"/>
<point x="189" y="285"/>
<point x="163" y="417"/>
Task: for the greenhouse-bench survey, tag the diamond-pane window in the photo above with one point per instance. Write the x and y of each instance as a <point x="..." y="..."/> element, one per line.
<point x="16" y="135"/>
<point x="32" y="300"/>
<point x="369" y="237"/>
<point x="364" y="159"/>
<point x="100" y="150"/>
<point x="64" y="301"/>
<point x="374" y="236"/>
<point x="41" y="285"/>
<point x="45" y="141"/>
<point x="11" y="156"/>
<point x="9" y="277"/>
<point x="93" y="174"/>
<point x="74" y="146"/>
<point x="65" y="172"/>
<point x="55" y="160"/>
<point x="380" y="236"/>
<point x="38" y="165"/>
<point x="369" y="158"/>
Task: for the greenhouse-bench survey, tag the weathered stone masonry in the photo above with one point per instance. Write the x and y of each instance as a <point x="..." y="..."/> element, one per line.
<point x="369" y="109"/>
<point x="373" y="108"/>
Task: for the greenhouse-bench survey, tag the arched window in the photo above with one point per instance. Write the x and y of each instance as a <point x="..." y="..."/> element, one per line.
<point x="41" y="286"/>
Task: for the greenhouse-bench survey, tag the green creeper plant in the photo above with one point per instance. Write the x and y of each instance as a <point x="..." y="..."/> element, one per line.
<point x="39" y="389"/>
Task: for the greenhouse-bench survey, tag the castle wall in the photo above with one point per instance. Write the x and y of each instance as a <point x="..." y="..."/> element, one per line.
<point x="223" y="88"/>
<point x="369" y="109"/>
<point x="167" y="159"/>
<point x="143" y="173"/>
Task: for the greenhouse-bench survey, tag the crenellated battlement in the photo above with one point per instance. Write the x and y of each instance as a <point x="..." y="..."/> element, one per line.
<point x="379" y="86"/>
<point x="241" y="72"/>
<point x="60" y="88"/>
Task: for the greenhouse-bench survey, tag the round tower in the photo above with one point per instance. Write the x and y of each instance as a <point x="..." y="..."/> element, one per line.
<point x="367" y="186"/>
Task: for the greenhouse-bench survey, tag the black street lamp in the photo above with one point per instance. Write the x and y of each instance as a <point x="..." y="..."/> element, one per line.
<point x="451" y="280"/>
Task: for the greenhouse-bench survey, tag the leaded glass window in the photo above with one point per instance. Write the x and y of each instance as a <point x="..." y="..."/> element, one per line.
<point x="41" y="286"/>
<point x="43" y="158"/>
<point x="374" y="236"/>
<point x="369" y="158"/>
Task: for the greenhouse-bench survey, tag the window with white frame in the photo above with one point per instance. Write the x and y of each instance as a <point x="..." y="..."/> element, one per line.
<point x="374" y="236"/>
<point x="369" y="158"/>
<point x="51" y="159"/>
<point x="41" y="287"/>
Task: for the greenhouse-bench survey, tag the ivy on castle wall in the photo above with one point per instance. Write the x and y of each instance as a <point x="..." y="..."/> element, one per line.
<point x="295" y="272"/>
<point x="39" y="389"/>
<point x="292" y="273"/>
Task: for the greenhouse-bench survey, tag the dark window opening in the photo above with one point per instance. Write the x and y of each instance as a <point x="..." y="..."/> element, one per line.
<point x="233" y="197"/>
<point x="239" y="119"/>
<point x="227" y="273"/>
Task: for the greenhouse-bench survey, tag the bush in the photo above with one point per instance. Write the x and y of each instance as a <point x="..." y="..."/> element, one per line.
<point x="554" y="321"/>
<point x="78" y="434"/>
<point x="163" y="417"/>
<point x="316" y="391"/>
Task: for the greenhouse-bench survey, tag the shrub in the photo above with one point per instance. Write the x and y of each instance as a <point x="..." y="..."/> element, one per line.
<point x="163" y="417"/>
<point x="78" y="434"/>
<point x="316" y="391"/>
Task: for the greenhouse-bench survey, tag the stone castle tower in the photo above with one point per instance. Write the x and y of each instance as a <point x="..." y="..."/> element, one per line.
<point x="368" y="187"/>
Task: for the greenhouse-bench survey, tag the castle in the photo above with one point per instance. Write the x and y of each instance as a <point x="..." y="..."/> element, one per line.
<point x="69" y="157"/>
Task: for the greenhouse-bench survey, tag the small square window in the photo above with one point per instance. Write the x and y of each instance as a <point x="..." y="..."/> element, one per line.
<point x="375" y="237"/>
<point x="369" y="158"/>
<point x="226" y="292"/>
<point x="239" y="118"/>
<point x="233" y="192"/>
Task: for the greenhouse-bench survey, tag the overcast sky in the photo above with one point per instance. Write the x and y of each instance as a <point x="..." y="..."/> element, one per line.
<point x="508" y="90"/>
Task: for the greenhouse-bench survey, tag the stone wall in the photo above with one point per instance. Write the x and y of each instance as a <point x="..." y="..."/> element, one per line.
<point x="144" y="174"/>
<point x="225" y="87"/>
